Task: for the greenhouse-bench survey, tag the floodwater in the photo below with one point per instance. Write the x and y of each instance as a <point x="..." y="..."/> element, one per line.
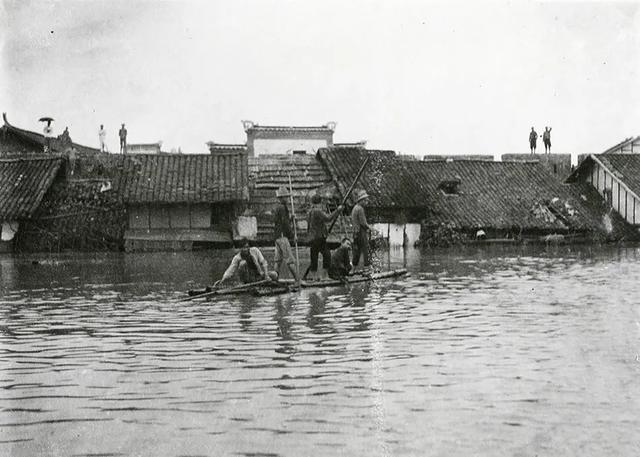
<point x="501" y="351"/>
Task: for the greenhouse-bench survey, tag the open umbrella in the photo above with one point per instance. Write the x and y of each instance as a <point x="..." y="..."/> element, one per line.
<point x="45" y="119"/>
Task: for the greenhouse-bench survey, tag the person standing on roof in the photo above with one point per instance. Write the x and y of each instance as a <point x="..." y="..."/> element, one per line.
<point x="102" y="136"/>
<point x="282" y="233"/>
<point x="533" y="139"/>
<point x="317" y="229"/>
<point x="360" y="231"/>
<point x="48" y="133"/>
<point x="122" y="133"/>
<point x="546" y="139"/>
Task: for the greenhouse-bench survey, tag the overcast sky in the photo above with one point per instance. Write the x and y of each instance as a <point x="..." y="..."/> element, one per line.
<point x="413" y="76"/>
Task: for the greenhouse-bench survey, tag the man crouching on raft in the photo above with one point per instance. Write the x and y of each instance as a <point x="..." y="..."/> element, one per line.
<point x="341" y="261"/>
<point x="249" y="264"/>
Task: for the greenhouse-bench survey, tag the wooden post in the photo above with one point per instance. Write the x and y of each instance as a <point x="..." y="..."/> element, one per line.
<point x="295" y="231"/>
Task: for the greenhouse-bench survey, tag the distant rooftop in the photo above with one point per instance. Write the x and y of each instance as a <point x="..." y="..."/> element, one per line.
<point x="58" y="144"/>
<point x="225" y="146"/>
<point x="626" y="145"/>
<point x="250" y="125"/>
<point x="23" y="183"/>
<point x="357" y="144"/>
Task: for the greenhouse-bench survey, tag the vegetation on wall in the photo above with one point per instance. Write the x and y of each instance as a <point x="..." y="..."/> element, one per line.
<point x="77" y="215"/>
<point x="443" y="235"/>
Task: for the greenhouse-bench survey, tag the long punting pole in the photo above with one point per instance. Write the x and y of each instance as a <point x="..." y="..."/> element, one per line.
<point x="353" y="185"/>
<point x="228" y="290"/>
<point x="344" y="200"/>
<point x="295" y="231"/>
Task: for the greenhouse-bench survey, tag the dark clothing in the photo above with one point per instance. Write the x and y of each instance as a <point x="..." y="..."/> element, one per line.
<point x="123" y="140"/>
<point x="533" y="138"/>
<point x="248" y="258"/>
<point x="282" y="222"/>
<point x="317" y="222"/>
<point x="340" y="263"/>
<point x="546" y="139"/>
<point x="247" y="273"/>
<point x="361" y="246"/>
<point x="319" y="246"/>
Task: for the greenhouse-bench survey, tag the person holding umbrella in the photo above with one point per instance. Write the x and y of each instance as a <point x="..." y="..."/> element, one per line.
<point x="48" y="132"/>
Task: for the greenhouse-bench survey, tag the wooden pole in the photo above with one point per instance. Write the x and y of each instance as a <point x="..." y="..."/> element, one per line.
<point x="295" y="231"/>
<point x="353" y="184"/>
<point x="228" y="290"/>
<point x="344" y="200"/>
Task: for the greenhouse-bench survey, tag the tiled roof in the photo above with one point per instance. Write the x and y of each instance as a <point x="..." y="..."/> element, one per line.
<point x="144" y="145"/>
<point x="358" y="144"/>
<point x="226" y="146"/>
<point x="453" y="158"/>
<point x="37" y="139"/>
<point x="23" y="183"/>
<point x="500" y="195"/>
<point x="626" y="144"/>
<point x="626" y="167"/>
<point x="497" y="195"/>
<point x="286" y="128"/>
<point x="269" y="172"/>
<point x="184" y="178"/>
<point x="384" y="177"/>
<point x="599" y="210"/>
<point x="329" y="127"/>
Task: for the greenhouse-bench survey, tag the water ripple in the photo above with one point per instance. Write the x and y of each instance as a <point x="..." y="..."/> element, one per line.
<point x="503" y="351"/>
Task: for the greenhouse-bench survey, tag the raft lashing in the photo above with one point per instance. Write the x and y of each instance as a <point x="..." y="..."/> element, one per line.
<point x="289" y="285"/>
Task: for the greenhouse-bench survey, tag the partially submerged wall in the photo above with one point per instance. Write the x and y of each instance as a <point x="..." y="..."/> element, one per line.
<point x="81" y="215"/>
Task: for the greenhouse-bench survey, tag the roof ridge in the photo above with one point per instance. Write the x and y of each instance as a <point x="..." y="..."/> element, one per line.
<point x="30" y="159"/>
<point x="172" y="154"/>
<point x="297" y="127"/>
<point x="241" y="145"/>
<point x="621" y="144"/>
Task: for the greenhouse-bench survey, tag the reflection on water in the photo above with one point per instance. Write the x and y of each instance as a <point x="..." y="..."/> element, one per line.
<point x="482" y="351"/>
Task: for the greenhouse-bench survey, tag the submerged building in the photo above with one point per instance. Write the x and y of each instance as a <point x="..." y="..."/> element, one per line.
<point x="265" y="140"/>
<point x="396" y="205"/>
<point x="512" y="200"/>
<point x="283" y="156"/>
<point x="616" y="177"/>
<point x="182" y="201"/>
<point x="306" y="176"/>
<point x="23" y="184"/>
<point x="627" y="146"/>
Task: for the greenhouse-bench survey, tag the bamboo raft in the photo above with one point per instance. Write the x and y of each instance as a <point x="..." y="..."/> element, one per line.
<point x="262" y="288"/>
